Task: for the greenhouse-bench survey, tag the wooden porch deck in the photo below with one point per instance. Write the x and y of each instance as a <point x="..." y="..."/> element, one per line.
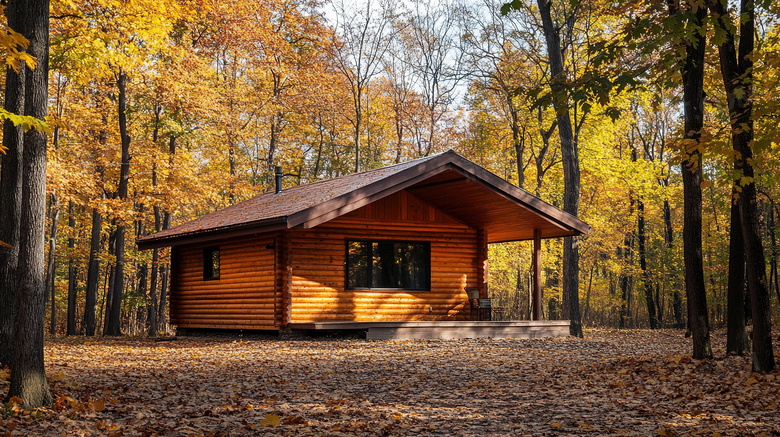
<point x="524" y="329"/>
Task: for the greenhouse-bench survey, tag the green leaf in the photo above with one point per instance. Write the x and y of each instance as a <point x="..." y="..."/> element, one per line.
<point x="26" y="122"/>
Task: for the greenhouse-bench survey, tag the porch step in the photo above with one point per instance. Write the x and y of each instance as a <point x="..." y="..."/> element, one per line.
<point x="523" y="329"/>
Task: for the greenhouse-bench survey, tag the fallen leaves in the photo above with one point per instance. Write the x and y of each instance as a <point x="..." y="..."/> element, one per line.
<point x="627" y="382"/>
<point x="270" y="420"/>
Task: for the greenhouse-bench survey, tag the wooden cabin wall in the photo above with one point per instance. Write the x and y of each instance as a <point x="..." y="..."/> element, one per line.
<point x="242" y="298"/>
<point x="317" y="265"/>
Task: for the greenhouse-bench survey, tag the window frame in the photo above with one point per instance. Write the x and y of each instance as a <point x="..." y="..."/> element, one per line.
<point x="208" y="263"/>
<point x="369" y="264"/>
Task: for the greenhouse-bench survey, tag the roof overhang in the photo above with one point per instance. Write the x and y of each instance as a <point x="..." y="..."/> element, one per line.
<point x="207" y="235"/>
<point x="465" y="191"/>
<point x="448" y="182"/>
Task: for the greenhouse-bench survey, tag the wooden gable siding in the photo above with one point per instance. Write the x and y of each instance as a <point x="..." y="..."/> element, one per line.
<point x="317" y="265"/>
<point x="242" y="298"/>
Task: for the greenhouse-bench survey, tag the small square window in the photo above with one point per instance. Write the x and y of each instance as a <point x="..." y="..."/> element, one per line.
<point x="210" y="263"/>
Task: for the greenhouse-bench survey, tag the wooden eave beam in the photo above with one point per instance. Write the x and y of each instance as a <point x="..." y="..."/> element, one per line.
<point x="260" y="227"/>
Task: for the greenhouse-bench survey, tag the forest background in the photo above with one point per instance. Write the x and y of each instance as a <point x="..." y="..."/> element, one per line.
<point x="162" y="111"/>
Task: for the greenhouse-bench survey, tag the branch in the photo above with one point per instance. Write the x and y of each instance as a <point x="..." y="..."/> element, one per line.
<point x="60" y="17"/>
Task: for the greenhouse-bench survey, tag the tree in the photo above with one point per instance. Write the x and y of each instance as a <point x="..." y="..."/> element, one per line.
<point x="692" y="71"/>
<point x="737" y="71"/>
<point x="28" y="376"/>
<point x="71" y="325"/>
<point x="434" y="44"/>
<point x="504" y="58"/>
<point x="113" y="310"/>
<point x="571" y="164"/>
<point x="358" y="52"/>
<point x="11" y="189"/>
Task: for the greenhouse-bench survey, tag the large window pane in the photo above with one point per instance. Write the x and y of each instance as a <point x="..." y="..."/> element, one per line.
<point x="384" y="267"/>
<point x="388" y="265"/>
<point x="357" y="264"/>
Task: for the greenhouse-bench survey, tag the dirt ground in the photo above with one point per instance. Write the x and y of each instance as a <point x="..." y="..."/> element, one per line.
<point x="610" y="383"/>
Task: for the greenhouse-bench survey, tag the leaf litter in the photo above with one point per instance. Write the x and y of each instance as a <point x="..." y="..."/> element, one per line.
<point x="631" y="382"/>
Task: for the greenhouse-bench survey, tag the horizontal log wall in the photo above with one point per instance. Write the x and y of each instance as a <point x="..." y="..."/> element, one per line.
<point x="317" y="264"/>
<point x="242" y="298"/>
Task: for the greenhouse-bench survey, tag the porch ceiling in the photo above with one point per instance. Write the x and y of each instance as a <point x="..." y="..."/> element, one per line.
<point x="483" y="207"/>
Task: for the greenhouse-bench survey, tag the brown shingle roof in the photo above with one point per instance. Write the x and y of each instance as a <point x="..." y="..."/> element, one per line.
<point x="448" y="181"/>
<point x="272" y="208"/>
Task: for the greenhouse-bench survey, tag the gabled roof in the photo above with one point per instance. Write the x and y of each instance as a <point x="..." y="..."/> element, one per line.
<point x="447" y="181"/>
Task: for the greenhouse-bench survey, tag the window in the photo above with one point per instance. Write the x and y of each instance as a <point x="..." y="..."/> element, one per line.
<point x="210" y="263"/>
<point x="398" y="265"/>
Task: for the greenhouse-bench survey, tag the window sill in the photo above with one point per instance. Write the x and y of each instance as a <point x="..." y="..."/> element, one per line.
<point x="388" y="290"/>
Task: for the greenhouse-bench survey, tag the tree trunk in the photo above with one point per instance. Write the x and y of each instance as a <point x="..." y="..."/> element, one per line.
<point x="163" y="297"/>
<point x="358" y="126"/>
<point x="587" y="294"/>
<point x="93" y="275"/>
<point x="651" y="313"/>
<point x="628" y="244"/>
<point x="28" y="376"/>
<point x="571" y="169"/>
<point x="113" y="325"/>
<point x="151" y="307"/>
<point x="518" y="139"/>
<point x="736" y="336"/>
<point x="668" y="243"/>
<point x="773" y="280"/>
<point x="737" y="72"/>
<point x="50" y="269"/>
<point x="71" y="329"/>
<point x="693" y="98"/>
<point x="10" y="194"/>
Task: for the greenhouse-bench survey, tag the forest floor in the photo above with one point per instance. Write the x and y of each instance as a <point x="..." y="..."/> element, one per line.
<point x="631" y="382"/>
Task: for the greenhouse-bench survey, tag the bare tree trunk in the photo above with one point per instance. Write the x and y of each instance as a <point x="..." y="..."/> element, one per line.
<point x="28" y="376"/>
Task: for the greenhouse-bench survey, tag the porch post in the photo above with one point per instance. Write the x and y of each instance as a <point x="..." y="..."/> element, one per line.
<point x="483" y="268"/>
<point x="537" y="264"/>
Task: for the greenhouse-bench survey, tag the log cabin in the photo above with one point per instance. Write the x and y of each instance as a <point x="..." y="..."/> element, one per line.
<point x="402" y="243"/>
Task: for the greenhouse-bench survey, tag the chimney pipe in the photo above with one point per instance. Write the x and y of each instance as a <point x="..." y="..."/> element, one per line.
<point x="278" y="178"/>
